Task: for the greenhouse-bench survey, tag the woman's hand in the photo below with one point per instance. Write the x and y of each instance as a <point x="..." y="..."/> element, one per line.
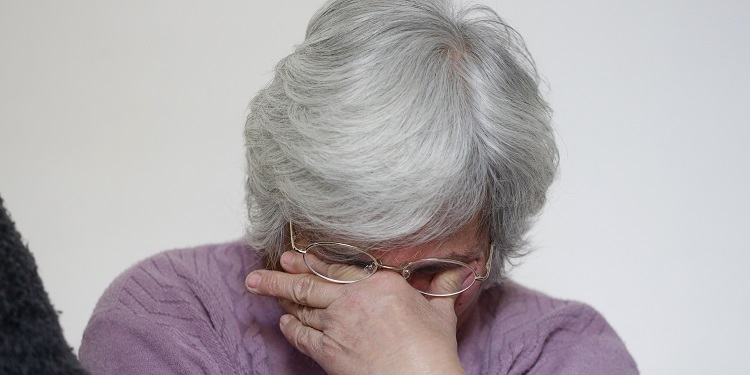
<point x="377" y="325"/>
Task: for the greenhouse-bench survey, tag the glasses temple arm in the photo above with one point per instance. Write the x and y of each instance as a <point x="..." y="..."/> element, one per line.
<point x="487" y="265"/>
<point x="293" y="239"/>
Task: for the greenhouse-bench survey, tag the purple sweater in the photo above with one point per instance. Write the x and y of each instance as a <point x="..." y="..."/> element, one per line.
<point x="187" y="312"/>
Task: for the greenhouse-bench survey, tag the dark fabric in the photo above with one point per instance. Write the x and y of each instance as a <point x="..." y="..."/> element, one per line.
<point x="31" y="340"/>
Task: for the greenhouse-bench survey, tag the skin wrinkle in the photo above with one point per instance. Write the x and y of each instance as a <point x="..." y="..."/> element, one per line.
<point x="450" y="248"/>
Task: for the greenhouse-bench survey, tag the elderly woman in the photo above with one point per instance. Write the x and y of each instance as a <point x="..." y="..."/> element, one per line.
<point x="395" y="162"/>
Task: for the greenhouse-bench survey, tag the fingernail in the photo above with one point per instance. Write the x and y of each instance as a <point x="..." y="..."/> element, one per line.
<point x="284" y="320"/>
<point x="252" y="281"/>
<point x="286" y="258"/>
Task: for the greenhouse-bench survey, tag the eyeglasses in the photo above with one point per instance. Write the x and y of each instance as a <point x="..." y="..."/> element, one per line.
<point x="344" y="264"/>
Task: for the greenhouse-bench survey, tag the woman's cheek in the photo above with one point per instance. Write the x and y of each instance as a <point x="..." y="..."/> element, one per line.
<point x="466" y="301"/>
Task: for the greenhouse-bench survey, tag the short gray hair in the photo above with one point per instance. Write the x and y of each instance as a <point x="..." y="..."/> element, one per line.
<point x="395" y="123"/>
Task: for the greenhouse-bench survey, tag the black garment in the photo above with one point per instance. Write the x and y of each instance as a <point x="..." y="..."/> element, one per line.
<point x="31" y="340"/>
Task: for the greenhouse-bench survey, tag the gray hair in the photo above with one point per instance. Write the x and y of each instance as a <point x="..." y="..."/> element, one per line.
<point x="395" y="123"/>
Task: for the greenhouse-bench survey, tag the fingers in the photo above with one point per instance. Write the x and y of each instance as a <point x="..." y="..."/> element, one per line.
<point x="451" y="281"/>
<point x="311" y="317"/>
<point x="307" y="340"/>
<point x="293" y="262"/>
<point x="304" y="289"/>
<point x="445" y="283"/>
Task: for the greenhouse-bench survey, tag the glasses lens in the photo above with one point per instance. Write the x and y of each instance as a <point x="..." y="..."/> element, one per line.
<point x="440" y="277"/>
<point x="339" y="262"/>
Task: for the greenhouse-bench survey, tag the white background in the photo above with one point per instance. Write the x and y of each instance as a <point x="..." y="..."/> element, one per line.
<point x="121" y="136"/>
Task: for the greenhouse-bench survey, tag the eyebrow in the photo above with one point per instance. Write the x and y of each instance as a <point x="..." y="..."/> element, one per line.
<point x="466" y="258"/>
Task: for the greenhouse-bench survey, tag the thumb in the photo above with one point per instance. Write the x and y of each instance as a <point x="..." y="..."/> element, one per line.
<point x="451" y="281"/>
<point x="444" y="285"/>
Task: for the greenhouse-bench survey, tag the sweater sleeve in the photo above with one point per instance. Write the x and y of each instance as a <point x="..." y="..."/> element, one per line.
<point x="117" y="342"/>
<point x="163" y="316"/>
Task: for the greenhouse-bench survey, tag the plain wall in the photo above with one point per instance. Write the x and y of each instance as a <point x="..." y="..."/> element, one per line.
<point x="121" y="136"/>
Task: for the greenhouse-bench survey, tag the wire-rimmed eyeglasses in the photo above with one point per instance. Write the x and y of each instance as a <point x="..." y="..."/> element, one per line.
<point x="342" y="263"/>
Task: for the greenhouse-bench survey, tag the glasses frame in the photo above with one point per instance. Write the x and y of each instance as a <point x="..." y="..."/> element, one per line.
<point x="399" y="269"/>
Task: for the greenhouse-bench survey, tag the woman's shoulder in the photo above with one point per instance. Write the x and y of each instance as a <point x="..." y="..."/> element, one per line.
<point x="188" y="270"/>
<point x="511" y="304"/>
<point x="173" y="309"/>
<point x="551" y="335"/>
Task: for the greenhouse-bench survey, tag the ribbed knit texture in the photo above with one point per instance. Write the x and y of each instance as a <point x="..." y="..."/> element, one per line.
<point x="187" y="312"/>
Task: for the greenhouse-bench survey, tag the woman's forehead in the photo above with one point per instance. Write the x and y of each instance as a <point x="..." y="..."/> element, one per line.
<point x="469" y="235"/>
<point x="462" y="248"/>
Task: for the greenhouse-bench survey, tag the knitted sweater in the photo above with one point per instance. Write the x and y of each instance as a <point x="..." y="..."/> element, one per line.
<point x="187" y="312"/>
